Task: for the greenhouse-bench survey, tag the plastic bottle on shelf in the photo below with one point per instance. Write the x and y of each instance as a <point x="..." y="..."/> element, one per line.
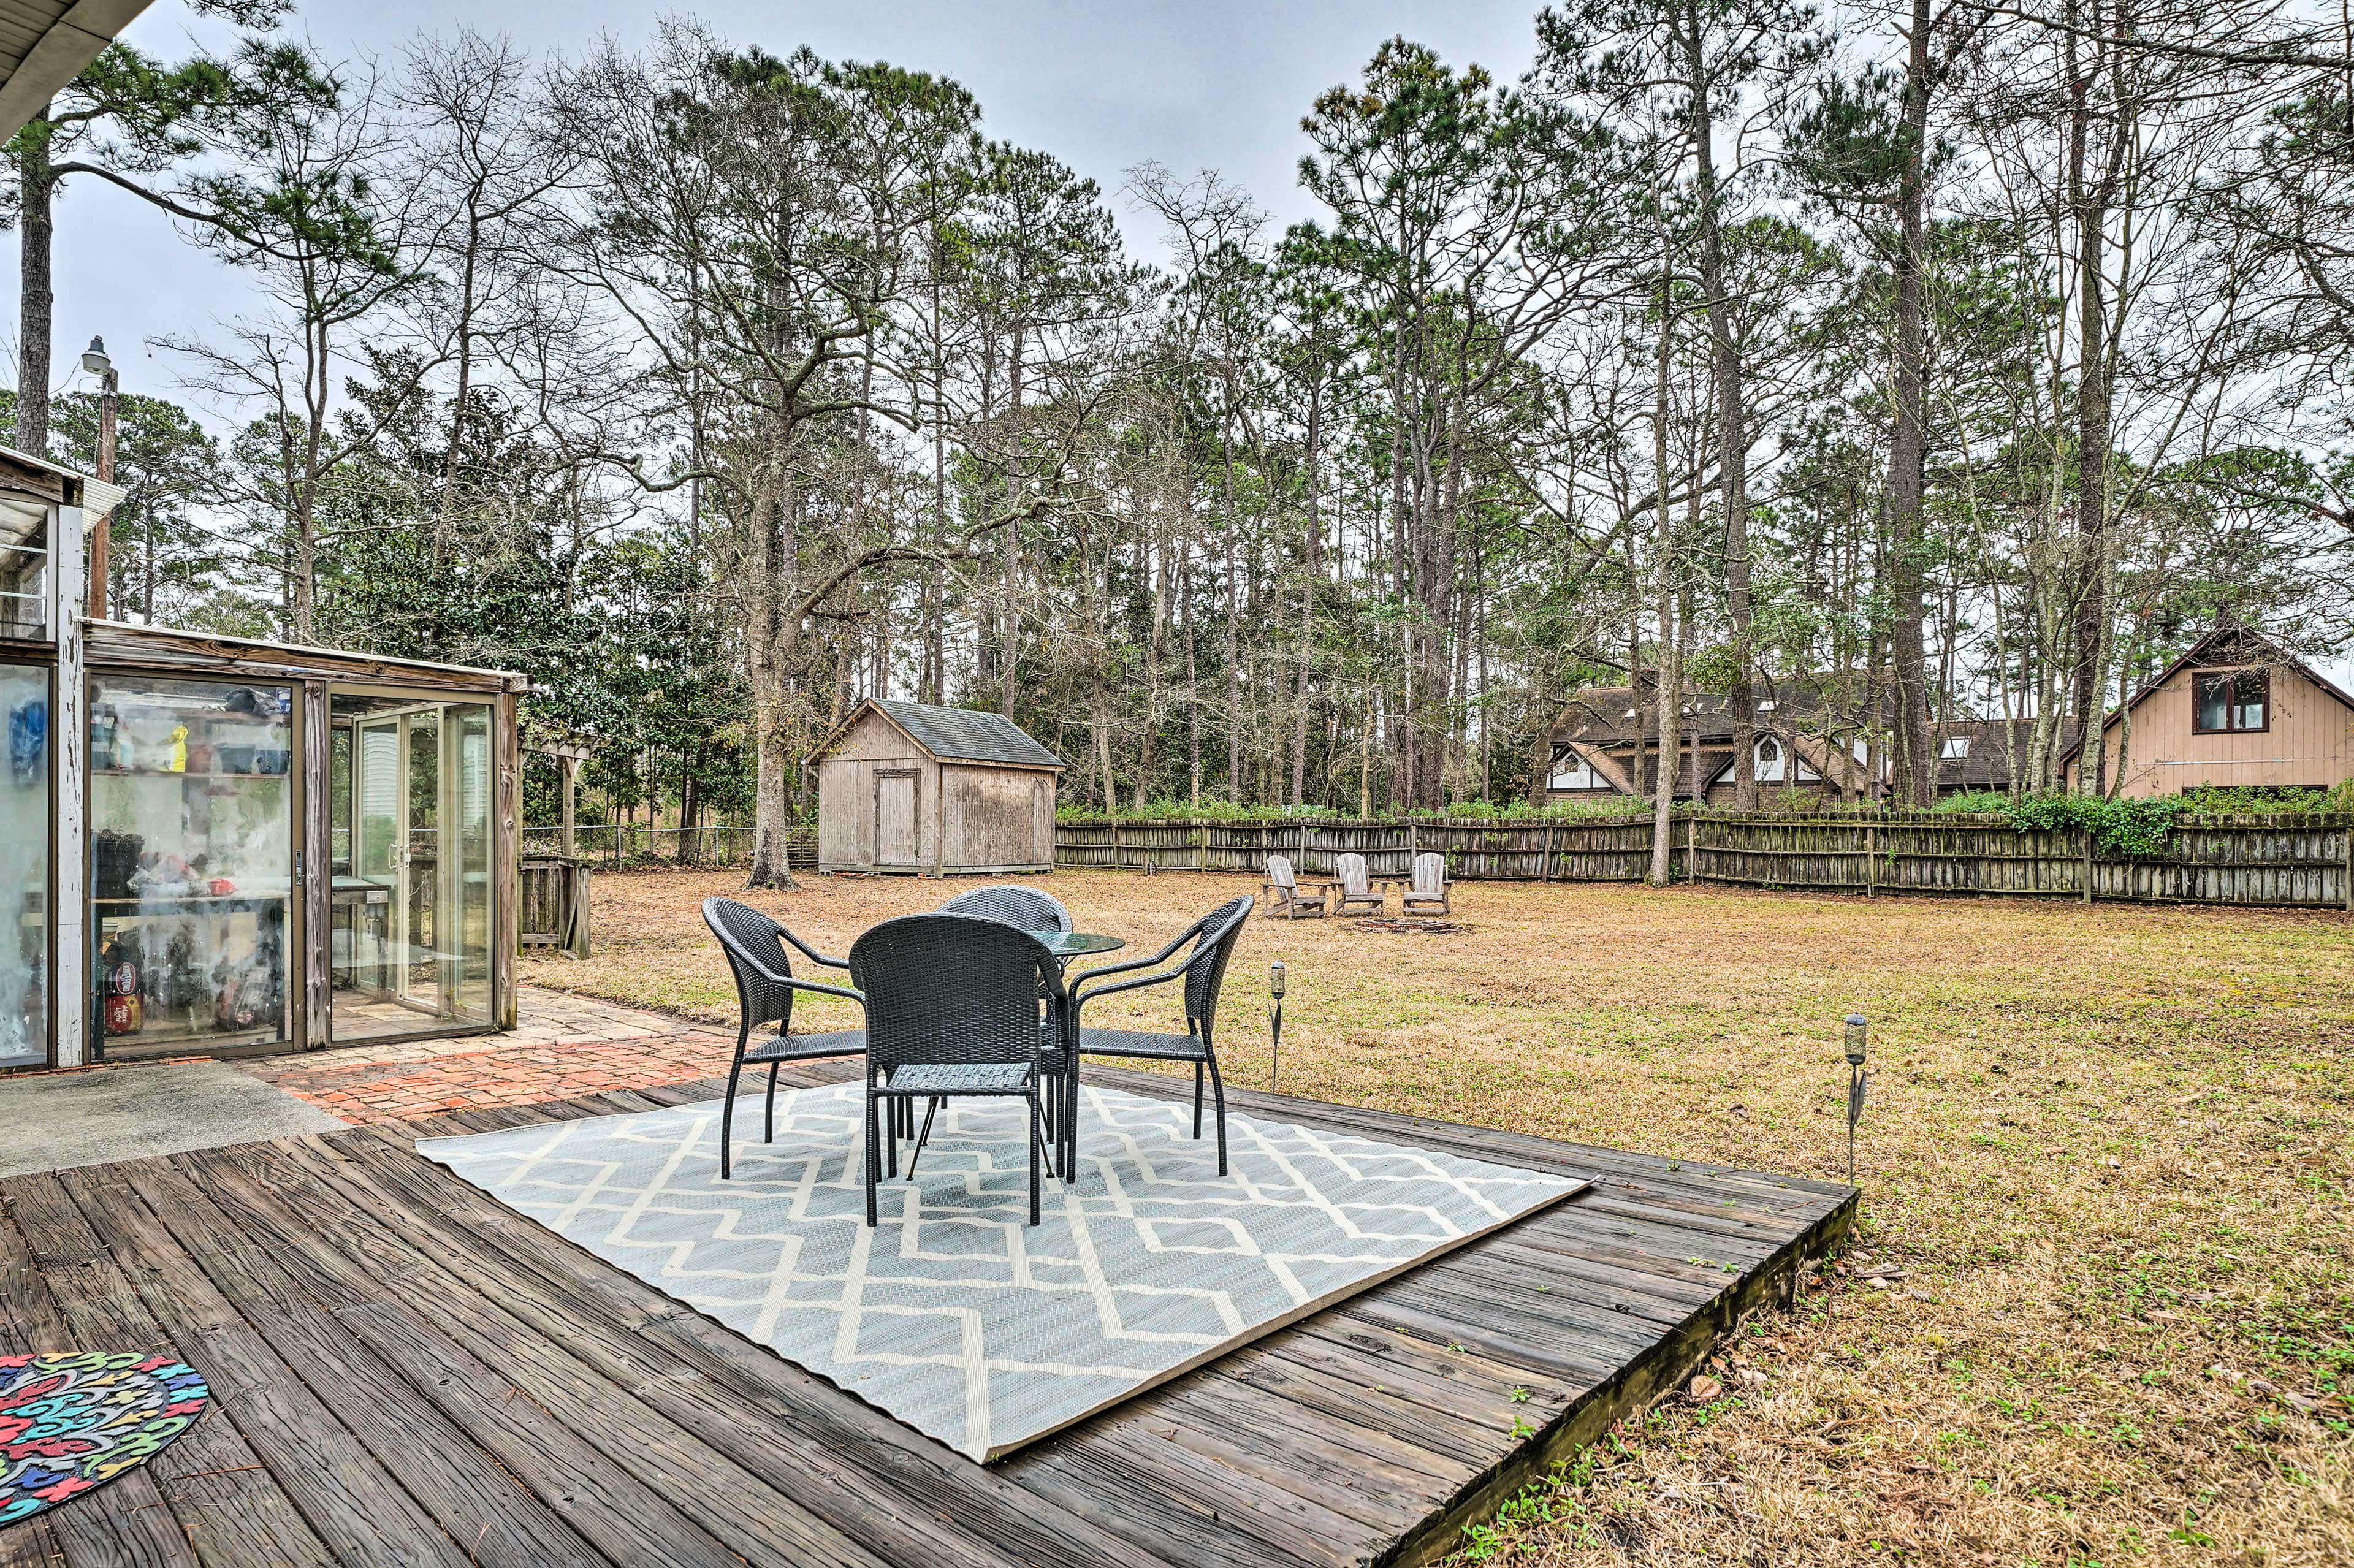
<point x="120" y="975"/>
<point x="179" y="763"/>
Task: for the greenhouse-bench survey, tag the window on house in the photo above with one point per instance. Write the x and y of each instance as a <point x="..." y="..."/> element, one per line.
<point x="1571" y="772"/>
<point x="1956" y="748"/>
<point x="1770" y="761"/>
<point x="2225" y="702"/>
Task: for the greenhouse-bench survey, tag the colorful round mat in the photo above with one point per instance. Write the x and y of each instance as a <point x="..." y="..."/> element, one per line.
<point x="72" y="1422"/>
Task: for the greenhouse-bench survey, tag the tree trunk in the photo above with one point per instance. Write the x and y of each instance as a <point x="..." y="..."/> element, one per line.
<point x="1311" y="579"/>
<point x="2088" y="204"/>
<point x="37" y="303"/>
<point x="1908" y="440"/>
<point x="1669" y="695"/>
<point x="1731" y="422"/>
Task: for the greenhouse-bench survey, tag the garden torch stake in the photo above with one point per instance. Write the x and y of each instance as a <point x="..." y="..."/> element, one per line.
<point x="1275" y="1022"/>
<point x="1855" y="1077"/>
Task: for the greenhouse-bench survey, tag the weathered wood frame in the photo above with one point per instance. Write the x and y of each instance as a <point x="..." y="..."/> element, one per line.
<point x="82" y="649"/>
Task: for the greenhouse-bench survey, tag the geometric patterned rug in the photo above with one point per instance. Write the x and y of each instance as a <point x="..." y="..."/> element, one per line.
<point x="956" y="1315"/>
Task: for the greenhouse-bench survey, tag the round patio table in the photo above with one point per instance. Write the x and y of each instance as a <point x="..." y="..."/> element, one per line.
<point x="1069" y="944"/>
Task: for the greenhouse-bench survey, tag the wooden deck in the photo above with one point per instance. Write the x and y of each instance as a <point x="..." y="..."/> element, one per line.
<point x="407" y="1372"/>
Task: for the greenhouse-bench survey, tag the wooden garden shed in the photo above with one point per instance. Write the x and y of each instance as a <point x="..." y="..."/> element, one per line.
<point x="915" y="790"/>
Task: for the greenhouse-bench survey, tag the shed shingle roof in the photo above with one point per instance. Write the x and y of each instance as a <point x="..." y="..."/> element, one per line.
<point x="962" y="734"/>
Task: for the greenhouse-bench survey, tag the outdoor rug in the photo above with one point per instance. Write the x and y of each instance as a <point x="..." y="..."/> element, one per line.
<point x="71" y="1423"/>
<point x="955" y="1315"/>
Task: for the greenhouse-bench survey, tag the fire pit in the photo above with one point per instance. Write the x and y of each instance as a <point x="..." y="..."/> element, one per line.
<point x="1428" y="928"/>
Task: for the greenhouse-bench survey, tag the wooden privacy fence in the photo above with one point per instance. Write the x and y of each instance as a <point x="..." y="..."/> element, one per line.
<point x="552" y="911"/>
<point x="2289" y="862"/>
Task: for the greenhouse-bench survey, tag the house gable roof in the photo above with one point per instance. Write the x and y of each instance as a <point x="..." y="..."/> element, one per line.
<point x="2224" y="645"/>
<point x="952" y="734"/>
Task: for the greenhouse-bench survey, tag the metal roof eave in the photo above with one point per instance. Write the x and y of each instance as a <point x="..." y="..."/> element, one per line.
<point x="67" y="41"/>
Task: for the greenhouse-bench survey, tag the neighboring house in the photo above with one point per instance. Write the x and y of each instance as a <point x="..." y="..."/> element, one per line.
<point x="1981" y="756"/>
<point x="2237" y="709"/>
<point x="1605" y="743"/>
<point x="1807" y="749"/>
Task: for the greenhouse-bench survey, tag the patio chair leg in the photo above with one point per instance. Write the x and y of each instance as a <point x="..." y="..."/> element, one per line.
<point x="727" y="1110"/>
<point x="769" y="1134"/>
<point x="1219" y="1084"/>
<point x="1197" y="1099"/>
<point x="1037" y="1147"/>
<point x="874" y="1156"/>
<point x="1071" y="1119"/>
<point x="922" y="1137"/>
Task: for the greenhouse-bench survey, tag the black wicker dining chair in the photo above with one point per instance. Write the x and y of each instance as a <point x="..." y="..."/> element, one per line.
<point x="1031" y="910"/>
<point x="951" y="1013"/>
<point x="1015" y="905"/>
<point x="765" y="984"/>
<point x="1203" y="971"/>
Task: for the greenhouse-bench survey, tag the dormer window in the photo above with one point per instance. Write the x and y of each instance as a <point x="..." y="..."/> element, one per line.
<point x="1770" y="761"/>
<point x="2230" y="701"/>
<point x="1768" y="705"/>
<point x="1955" y="749"/>
<point x="1572" y="771"/>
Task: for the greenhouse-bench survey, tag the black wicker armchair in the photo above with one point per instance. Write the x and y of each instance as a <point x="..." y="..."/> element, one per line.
<point x="951" y="1012"/>
<point x="1029" y="910"/>
<point x="1203" y="971"/>
<point x="765" y="984"/>
<point x="1013" y="904"/>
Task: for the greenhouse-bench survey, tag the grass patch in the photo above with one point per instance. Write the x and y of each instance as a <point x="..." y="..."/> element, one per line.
<point x="2105" y="1163"/>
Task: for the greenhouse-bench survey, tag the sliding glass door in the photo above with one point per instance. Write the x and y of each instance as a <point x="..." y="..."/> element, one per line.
<point x="409" y="808"/>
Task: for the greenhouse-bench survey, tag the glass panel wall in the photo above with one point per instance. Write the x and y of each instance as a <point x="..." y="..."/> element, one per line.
<point x="191" y="816"/>
<point x="23" y="569"/>
<point x="24" y="866"/>
<point x="409" y="817"/>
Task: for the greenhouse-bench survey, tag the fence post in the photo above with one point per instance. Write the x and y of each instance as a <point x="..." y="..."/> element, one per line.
<point x="1691" y="864"/>
<point x="1544" y="871"/>
<point x="2350" y="862"/>
<point x="2088" y="865"/>
<point x="1115" y="844"/>
<point x="1872" y="860"/>
<point x="1202" y="846"/>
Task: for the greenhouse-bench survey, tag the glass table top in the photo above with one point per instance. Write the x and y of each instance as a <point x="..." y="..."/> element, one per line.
<point x="1077" y="944"/>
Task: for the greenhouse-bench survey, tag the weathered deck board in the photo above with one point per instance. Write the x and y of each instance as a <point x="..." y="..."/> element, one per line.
<point x="415" y="1374"/>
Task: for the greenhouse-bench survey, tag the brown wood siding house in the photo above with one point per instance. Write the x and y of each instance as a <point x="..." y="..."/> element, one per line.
<point x="923" y="790"/>
<point x="2236" y="709"/>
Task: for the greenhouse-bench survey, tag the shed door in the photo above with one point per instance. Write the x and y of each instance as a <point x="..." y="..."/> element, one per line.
<point x="894" y="821"/>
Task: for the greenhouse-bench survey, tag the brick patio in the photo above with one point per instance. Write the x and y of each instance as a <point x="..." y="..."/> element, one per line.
<point x="562" y="1047"/>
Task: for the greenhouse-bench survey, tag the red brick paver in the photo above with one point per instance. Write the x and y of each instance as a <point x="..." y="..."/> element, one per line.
<point x="562" y="1046"/>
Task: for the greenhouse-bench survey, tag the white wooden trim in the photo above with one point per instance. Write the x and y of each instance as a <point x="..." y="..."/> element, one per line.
<point x="68" y="802"/>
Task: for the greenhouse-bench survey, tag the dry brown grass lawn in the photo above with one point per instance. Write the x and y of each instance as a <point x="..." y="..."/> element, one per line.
<point x="2105" y="1161"/>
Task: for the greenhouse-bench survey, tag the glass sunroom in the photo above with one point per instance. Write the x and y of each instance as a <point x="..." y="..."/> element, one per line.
<point x="215" y="845"/>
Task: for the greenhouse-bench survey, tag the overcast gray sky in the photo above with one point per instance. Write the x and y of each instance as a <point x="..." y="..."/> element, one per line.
<point x="1216" y="84"/>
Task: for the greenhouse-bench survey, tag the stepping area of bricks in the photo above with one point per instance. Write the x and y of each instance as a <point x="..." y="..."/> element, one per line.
<point x="562" y="1046"/>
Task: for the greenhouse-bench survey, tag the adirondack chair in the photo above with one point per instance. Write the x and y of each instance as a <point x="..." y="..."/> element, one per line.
<point x="1284" y="897"/>
<point x="1356" y="889"/>
<point x="1426" y="891"/>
